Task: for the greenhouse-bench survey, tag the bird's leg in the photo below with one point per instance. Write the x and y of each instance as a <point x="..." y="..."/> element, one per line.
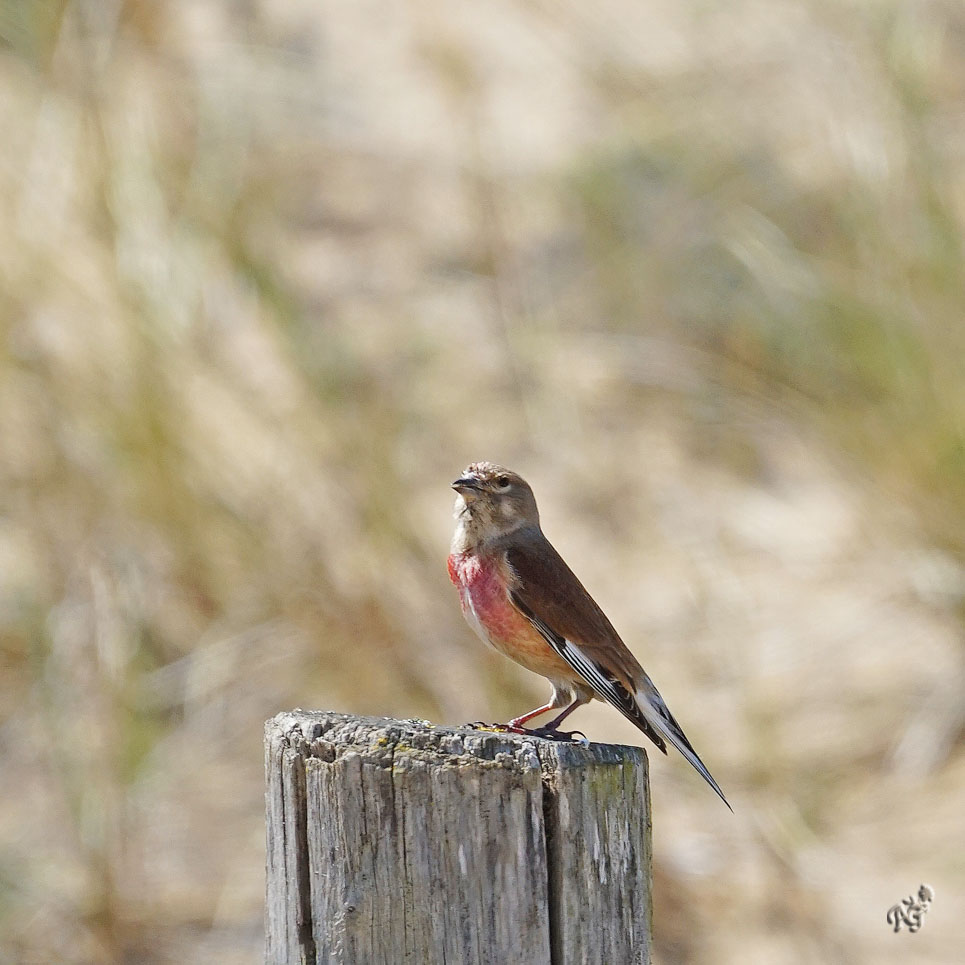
<point x="554" y="724"/>
<point x="549" y="731"/>
<point x="552" y="729"/>
<point x="515" y="726"/>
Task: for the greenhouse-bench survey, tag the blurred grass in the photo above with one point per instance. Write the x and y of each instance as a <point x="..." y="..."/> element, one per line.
<point x="844" y="295"/>
<point x="271" y="274"/>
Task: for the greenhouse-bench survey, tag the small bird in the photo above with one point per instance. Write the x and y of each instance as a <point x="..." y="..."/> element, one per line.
<point x="519" y="595"/>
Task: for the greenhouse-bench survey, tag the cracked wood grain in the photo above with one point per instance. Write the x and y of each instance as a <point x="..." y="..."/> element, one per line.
<point x="399" y="843"/>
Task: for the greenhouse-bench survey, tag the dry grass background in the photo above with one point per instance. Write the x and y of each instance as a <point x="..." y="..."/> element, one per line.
<point x="272" y="273"/>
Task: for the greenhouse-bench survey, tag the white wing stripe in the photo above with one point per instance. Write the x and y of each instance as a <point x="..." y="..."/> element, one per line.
<point x="651" y="706"/>
<point x="578" y="660"/>
<point x="590" y="672"/>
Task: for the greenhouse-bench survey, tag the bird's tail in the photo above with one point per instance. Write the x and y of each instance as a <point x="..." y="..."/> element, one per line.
<point x="658" y="715"/>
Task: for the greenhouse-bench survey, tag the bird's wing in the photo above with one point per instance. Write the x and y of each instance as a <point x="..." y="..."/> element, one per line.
<point x="547" y="592"/>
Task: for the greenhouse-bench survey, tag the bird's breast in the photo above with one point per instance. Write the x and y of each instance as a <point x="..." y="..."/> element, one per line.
<point x="483" y="593"/>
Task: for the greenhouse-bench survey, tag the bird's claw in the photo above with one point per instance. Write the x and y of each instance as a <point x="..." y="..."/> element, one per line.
<point x="496" y="728"/>
<point x="502" y="728"/>
<point x="546" y="733"/>
<point x="550" y="733"/>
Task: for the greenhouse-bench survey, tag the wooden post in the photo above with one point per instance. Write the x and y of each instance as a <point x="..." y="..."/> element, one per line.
<point x="393" y="842"/>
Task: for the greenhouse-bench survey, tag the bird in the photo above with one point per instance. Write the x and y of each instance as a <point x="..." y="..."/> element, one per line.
<point x="521" y="598"/>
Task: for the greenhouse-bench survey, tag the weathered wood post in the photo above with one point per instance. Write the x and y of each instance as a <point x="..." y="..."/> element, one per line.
<point x="393" y="841"/>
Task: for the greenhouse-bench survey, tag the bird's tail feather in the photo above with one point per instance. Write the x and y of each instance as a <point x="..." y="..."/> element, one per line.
<point x="657" y="714"/>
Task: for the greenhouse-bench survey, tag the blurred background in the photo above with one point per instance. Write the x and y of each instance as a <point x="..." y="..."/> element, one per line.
<point x="272" y="274"/>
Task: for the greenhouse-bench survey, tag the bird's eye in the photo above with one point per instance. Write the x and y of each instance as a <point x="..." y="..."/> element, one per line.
<point x="503" y="482"/>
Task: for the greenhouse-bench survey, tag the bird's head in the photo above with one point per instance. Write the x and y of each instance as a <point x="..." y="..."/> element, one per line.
<point x="493" y="501"/>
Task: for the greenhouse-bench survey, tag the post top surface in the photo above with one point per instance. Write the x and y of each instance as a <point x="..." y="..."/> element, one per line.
<point x="329" y="735"/>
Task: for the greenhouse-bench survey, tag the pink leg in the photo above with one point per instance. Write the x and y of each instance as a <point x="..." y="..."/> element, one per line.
<point x="556" y="721"/>
<point x="552" y="705"/>
<point x="550" y="730"/>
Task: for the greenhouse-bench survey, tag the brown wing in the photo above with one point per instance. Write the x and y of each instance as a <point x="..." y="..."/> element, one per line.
<point x="546" y="591"/>
<point x="549" y="595"/>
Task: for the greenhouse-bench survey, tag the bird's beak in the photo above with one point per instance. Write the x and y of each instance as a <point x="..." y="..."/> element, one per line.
<point x="467" y="483"/>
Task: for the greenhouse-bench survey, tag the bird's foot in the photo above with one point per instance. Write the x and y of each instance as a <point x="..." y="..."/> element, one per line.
<point x="547" y="733"/>
<point x="552" y="734"/>
<point x="496" y="728"/>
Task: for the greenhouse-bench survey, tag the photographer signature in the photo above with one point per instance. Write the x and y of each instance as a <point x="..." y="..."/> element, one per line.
<point x="911" y="911"/>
